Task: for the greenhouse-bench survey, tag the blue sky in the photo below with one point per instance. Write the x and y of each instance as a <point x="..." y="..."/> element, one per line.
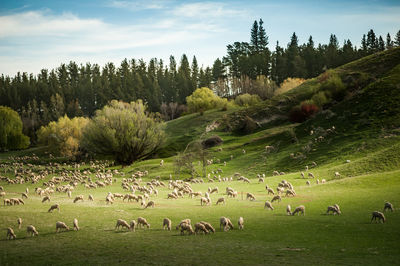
<point x="44" y="34"/>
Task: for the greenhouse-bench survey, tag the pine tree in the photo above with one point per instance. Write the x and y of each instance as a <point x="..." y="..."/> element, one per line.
<point x="397" y="39"/>
<point x="389" y="42"/>
<point x="195" y="73"/>
<point x="372" y="42"/>
<point x="262" y="36"/>
<point x="381" y="44"/>
<point x="254" y="36"/>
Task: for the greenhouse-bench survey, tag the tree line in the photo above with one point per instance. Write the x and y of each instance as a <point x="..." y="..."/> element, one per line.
<point x="248" y="67"/>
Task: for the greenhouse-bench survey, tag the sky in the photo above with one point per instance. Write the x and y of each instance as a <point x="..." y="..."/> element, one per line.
<point x="44" y="34"/>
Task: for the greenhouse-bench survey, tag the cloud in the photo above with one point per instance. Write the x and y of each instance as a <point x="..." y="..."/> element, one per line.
<point x="138" y="5"/>
<point x="209" y="10"/>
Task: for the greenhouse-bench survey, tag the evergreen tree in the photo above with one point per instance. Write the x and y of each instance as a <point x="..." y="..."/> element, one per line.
<point x="381" y="44"/>
<point x="254" y="36"/>
<point x="217" y="70"/>
<point x="397" y="39"/>
<point x="195" y="73"/>
<point x="262" y="36"/>
<point x="389" y="42"/>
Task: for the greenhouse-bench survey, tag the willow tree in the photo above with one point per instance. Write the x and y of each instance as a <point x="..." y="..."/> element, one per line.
<point x="125" y="131"/>
<point x="11" y="137"/>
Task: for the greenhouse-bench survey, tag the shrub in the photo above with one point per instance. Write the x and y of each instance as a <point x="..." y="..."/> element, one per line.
<point x="320" y="99"/>
<point x="334" y="86"/>
<point x="11" y="137"/>
<point x="247" y="99"/>
<point x="301" y="113"/>
<point x="204" y="99"/>
<point x="63" y="137"/>
<point x="289" y="84"/>
<point x="211" y="142"/>
<point x="125" y="131"/>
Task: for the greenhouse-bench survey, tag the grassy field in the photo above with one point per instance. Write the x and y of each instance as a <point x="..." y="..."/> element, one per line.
<point x="366" y="134"/>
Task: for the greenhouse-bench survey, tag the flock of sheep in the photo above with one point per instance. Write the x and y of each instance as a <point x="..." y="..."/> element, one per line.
<point x="67" y="180"/>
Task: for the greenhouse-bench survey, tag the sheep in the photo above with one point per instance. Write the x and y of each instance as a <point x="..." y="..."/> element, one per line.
<point x="308" y="183"/>
<point x="21" y="201"/>
<point x="123" y="224"/>
<point x="268" y="205"/>
<point x="323" y="181"/>
<point x="276" y="198"/>
<point x="167" y="224"/>
<point x="69" y="194"/>
<point x="337" y="207"/>
<point x="186" y="227"/>
<point x="333" y="209"/>
<point x="270" y="191"/>
<point x="337" y="174"/>
<point x="10" y="233"/>
<point x="195" y="194"/>
<point x="77" y="198"/>
<point x="314" y="164"/>
<point x="142" y="222"/>
<point x="133" y="225"/>
<point x="275" y="173"/>
<point x="109" y="199"/>
<point x="184" y="221"/>
<point x="220" y="200"/>
<point x="53" y="207"/>
<point x="302" y="175"/>
<point x="161" y="162"/>
<point x="205" y="201"/>
<point x="150" y="204"/>
<point x="290" y="192"/>
<point x="288" y="210"/>
<point x="130" y="197"/>
<point x="208" y="226"/>
<point x="24" y="195"/>
<point x="311" y="175"/>
<point x="90" y="197"/>
<point x="317" y="181"/>
<point x="379" y="216"/>
<point x="199" y="227"/>
<point x="214" y="190"/>
<point x="30" y="229"/>
<point x="19" y="222"/>
<point x="2" y="194"/>
<point x="46" y="198"/>
<point x="171" y="196"/>
<point x="388" y="206"/>
<point x="241" y="223"/>
<point x="76" y="225"/>
<point x="250" y="196"/>
<point x="301" y="209"/>
<point x="226" y="223"/>
<point x="61" y="225"/>
<point x="27" y="191"/>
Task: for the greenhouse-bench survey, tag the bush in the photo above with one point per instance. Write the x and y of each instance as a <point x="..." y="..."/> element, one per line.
<point x="125" y="131"/>
<point x="247" y="99"/>
<point x="204" y="99"/>
<point x="301" y="113"/>
<point x="289" y="84"/>
<point x="63" y="137"/>
<point x="211" y="142"/>
<point x="11" y="137"/>
<point x="320" y="99"/>
<point x="334" y="86"/>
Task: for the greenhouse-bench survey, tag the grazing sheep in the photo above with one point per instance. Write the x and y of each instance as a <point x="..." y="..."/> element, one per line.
<point x="277" y="197"/>
<point x="205" y="201"/>
<point x="1" y="188"/>
<point x="10" y="233"/>
<point x="90" y="197"/>
<point x="46" y="198"/>
<point x="311" y="175"/>
<point x="76" y="225"/>
<point x="69" y="194"/>
<point x="61" y="225"/>
<point x="241" y="223"/>
<point x="186" y="227"/>
<point x="214" y="190"/>
<point x="161" y="162"/>
<point x="250" y="196"/>
<point x="208" y="226"/>
<point x="184" y="221"/>
<point x="171" y="196"/>
<point x="77" y="198"/>
<point x="123" y="224"/>
<point x="302" y="175"/>
<point x="24" y="195"/>
<point x="133" y="225"/>
<point x="27" y="190"/>
<point x="2" y="194"/>
<point x="388" y="206"/>
<point x="288" y="210"/>
<point x="130" y="197"/>
<point x="323" y="181"/>
<point x="270" y="191"/>
<point x="317" y="181"/>
<point x="30" y="229"/>
<point x="199" y="227"/>
<point x="301" y="209"/>
<point x="337" y="174"/>
<point x="226" y="223"/>
<point x="333" y="209"/>
<point x="308" y="183"/>
<point x="290" y="192"/>
<point x="314" y="164"/>
<point x="337" y="207"/>
<point x="142" y="222"/>
<point x="53" y="207"/>
<point x="109" y="199"/>
<point x="220" y="200"/>
<point x="379" y="216"/>
<point x="19" y="222"/>
<point x="167" y="224"/>
<point x="268" y="205"/>
<point x="150" y="204"/>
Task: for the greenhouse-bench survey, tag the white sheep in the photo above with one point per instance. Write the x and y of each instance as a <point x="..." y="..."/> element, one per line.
<point x="199" y="227"/>
<point x="123" y="224"/>
<point x="61" y="225"/>
<point x="208" y="226"/>
<point x="24" y="195"/>
<point x="76" y="225"/>
<point x="311" y="175"/>
<point x="133" y="225"/>
<point x="276" y="198"/>
<point x="90" y="197"/>
<point x="142" y="222"/>
<point x="288" y="210"/>
<point x="30" y="229"/>
<point x="150" y="204"/>
<point x="10" y="233"/>
<point x="337" y="174"/>
<point x="290" y="192"/>
<point x="241" y="223"/>
<point x="333" y="209"/>
<point x="302" y="175"/>
<point x="171" y="196"/>
<point x="161" y="162"/>
<point x="323" y="181"/>
<point x="167" y="224"/>
<point x="19" y="222"/>
<point x="268" y="205"/>
<point x="186" y="227"/>
<point x="388" y="206"/>
<point x="53" y="207"/>
<point x="250" y="196"/>
<point x="214" y="190"/>
<point x="77" y="198"/>
<point x="46" y="198"/>
<point x="226" y="223"/>
<point x="270" y="191"/>
<point x="379" y="216"/>
<point x="220" y="200"/>
<point x="205" y="201"/>
<point x="308" y="183"/>
<point x="301" y="209"/>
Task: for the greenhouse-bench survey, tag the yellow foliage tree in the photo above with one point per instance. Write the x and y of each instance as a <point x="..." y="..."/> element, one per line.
<point x="289" y="84"/>
<point x="204" y="99"/>
<point x="63" y="137"/>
